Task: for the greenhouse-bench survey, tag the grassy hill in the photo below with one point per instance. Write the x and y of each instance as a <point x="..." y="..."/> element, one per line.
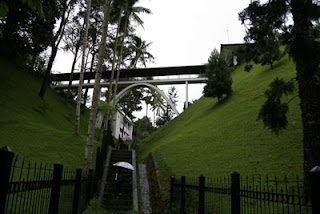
<point x="35" y="129"/>
<point x="215" y="139"/>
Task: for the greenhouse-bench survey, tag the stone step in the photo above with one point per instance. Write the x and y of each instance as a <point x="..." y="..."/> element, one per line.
<point x="121" y="158"/>
<point x="111" y="200"/>
<point x="117" y="204"/>
<point x="125" y="187"/>
<point x="116" y="197"/>
<point x="116" y="151"/>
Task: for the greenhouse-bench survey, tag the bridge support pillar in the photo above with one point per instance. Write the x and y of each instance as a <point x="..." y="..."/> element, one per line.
<point x="186" y="103"/>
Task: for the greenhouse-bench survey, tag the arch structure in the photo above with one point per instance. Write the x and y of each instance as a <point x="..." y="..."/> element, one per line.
<point x="122" y="93"/>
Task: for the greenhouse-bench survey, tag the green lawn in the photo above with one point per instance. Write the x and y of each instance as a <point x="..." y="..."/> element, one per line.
<point x="35" y="129"/>
<point x="216" y="139"/>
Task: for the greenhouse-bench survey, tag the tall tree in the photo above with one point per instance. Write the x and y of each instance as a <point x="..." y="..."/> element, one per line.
<point x="143" y="128"/>
<point x="131" y="102"/>
<point x="130" y="12"/>
<point x="83" y="66"/>
<point x="94" y="37"/>
<point x="35" y="5"/>
<point x="168" y="113"/>
<point x="219" y="77"/>
<point x="263" y="31"/>
<point x="139" y="50"/>
<point x="72" y="42"/>
<point x="157" y="105"/>
<point x="66" y="7"/>
<point x="148" y="98"/>
<point x="96" y="91"/>
<point x="26" y="33"/>
<point x="114" y="17"/>
<point x="304" y="47"/>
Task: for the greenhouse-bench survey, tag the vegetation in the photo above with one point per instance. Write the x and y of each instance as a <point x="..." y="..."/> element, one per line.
<point x="219" y="77"/>
<point x="83" y="65"/>
<point x="35" y="129"/>
<point x="273" y="112"/>
<point x="168" y="113"/>
<point x="96" y="89"/>
<point x="22" y="29"/>
<point x="143" y="128"/>
<point x="302" y="39"/>
<point x="263" y="31"/>
<point x="216" y="139"/>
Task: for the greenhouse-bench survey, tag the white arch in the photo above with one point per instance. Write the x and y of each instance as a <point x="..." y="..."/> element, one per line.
<point x="122" y="93"/>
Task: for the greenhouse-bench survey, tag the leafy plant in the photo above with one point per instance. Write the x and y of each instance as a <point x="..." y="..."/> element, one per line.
<point x="273" y="112"/>
<point x="219" y="77"/>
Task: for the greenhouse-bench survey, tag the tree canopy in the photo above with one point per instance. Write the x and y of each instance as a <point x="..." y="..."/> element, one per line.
<point x="263" y="22"/>
<point x="168" y="113"/>
<point x="219" y="77"/>
<point x="143" y="128"/>
<point x="25" y="32"/>
<point x="302" y="40"/>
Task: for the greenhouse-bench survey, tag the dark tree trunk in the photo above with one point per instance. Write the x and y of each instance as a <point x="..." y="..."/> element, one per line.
<point x="33" y="61"/>
<point x="85" y="96"/>
<point x="309" y="87"/>
<point x="71" y="74"/>
<point x="54" y="46"/>
<point x="46" y="77"/>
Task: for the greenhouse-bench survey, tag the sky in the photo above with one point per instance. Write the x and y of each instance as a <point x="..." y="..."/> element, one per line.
<point x="183" y="32"/>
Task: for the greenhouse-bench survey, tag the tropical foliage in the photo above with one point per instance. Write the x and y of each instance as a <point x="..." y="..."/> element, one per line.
<point x="168" y="112"/>
<point x="143" y="128"/>
<point x="302" y="40"/>
<point x="219" y="77"/>
<point x="262" y="31"/>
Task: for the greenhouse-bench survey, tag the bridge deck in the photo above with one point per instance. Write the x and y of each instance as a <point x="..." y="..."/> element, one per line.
<point x="128" y="82"/>
<point x="138" y="72"/>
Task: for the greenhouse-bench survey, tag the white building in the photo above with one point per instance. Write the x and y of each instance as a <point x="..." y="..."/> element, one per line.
<point x="121" y="124"/>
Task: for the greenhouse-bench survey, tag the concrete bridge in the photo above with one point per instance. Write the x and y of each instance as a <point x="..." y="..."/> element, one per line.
<point x="147" y="77"/>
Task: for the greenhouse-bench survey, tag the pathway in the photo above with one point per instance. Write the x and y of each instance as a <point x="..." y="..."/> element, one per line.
<point x="144" y="190"/>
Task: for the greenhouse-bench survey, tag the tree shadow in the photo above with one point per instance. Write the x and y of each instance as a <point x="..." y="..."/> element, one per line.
<point x="220" y="103"/>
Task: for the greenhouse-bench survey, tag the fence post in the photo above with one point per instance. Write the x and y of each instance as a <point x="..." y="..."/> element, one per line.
<point x="202" y="181"/>
<point x="171" y="190"/>
<point x="183" y="194"/>
<point x="235" y="193"/>
<point x="76" y="192"/>
<point x="6" y="156"/>
<point x="89" y="186"/>
<point x="315" y="189"/>
<point x="55" y="191"/>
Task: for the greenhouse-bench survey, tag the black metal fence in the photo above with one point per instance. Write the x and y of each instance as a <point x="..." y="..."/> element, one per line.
<point x="235" y="195"/>
<point x="27" y="187"/>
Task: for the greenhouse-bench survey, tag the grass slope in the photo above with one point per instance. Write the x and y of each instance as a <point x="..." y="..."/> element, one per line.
<point x="35" y="133"/>
<point x="215" y="139"/>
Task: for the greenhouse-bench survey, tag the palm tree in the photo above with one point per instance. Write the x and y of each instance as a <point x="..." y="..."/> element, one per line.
<point x="148" y="98"/>
<point x="115" y="15"/>
<point x="96" y="91"/>
<point x="139" y="51"/>
<point x="157" y="105"/>
<point x="130" y="12"/>
<point x="83" y="65"/>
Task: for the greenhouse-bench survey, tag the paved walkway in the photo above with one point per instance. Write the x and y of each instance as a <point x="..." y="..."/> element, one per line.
<point x="144" y="190"/>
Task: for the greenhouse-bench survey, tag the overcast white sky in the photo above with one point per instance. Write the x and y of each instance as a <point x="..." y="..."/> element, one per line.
<point x="184" y="32"/>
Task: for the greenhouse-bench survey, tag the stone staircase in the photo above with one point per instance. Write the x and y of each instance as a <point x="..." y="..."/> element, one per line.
<point x="123" y="201"/>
